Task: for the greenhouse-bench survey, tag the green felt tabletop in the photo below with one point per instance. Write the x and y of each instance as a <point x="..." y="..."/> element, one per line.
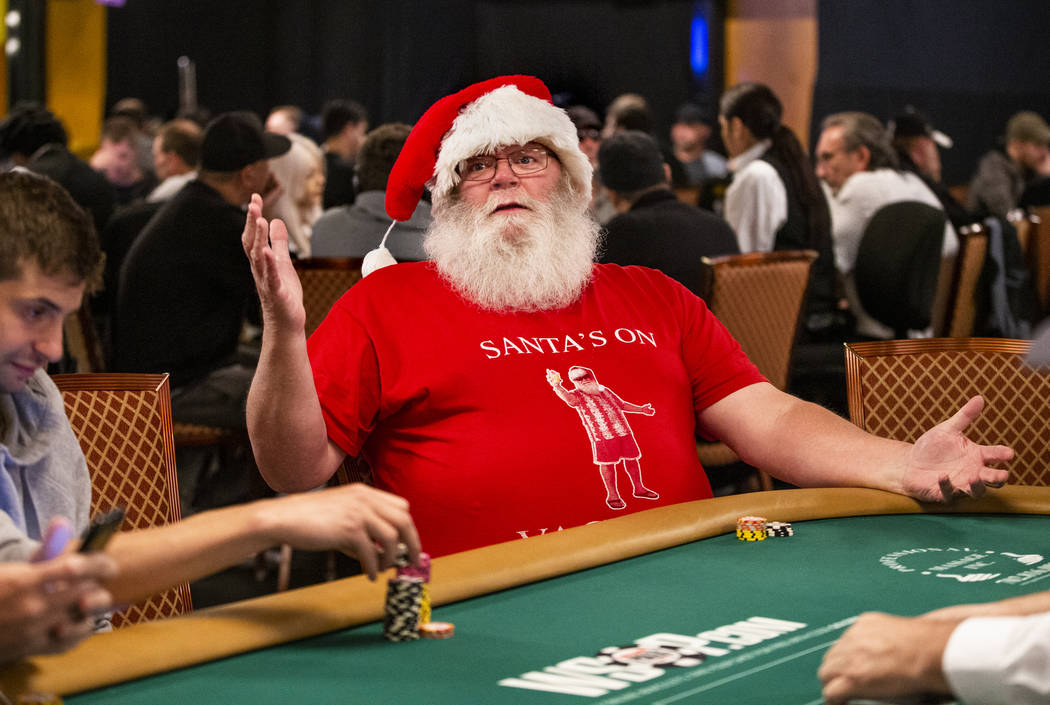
<point x="576" y="637"/>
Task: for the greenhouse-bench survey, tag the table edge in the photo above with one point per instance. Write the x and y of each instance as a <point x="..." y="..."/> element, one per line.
<point x="154" y="647"/>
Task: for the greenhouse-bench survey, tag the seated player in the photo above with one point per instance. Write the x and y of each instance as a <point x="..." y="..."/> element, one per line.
<point x="436" y="372"/>
<point x="994" y="654"/>
<point x="49" y="256"/>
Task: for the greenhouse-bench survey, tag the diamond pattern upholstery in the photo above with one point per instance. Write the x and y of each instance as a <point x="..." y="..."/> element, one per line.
<point x="962" y="303"/>
<point x="758" y="296"/>
<point x="324" y="280"/>
<point x="899" y="389"/>
<point x="123" y="423"/>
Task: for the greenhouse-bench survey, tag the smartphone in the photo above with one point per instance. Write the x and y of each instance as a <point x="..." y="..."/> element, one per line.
<point x="101" y="530"/>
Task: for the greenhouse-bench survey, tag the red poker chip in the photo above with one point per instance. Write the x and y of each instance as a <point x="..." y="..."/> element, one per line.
<point x="437" y="630"/>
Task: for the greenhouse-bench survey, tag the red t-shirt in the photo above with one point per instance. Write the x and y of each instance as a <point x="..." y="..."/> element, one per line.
<point x="451" y="406"/>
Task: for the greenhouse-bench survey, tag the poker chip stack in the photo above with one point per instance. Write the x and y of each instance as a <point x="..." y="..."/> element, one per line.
<point x="407" y="614"/>
<point x="401" y="619"/>
<point x="405" y="599"/>
<point x="751" y="528"/>
<point x="779" y="528"/>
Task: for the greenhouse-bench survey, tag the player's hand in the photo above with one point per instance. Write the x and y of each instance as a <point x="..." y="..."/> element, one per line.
<point x="553" y="378"/>
<point x="944" y="465"/>
<point x="882" y="656"/>
<point x="648" y="410"/>
<point x="49" y="607"/>
<point x="280" y="292"/>
<point x="359" y="520"/>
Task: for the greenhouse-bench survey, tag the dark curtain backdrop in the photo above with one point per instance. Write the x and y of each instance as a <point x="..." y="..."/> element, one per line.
<point x="397" y="57"/>
<point x="968" y="64"/>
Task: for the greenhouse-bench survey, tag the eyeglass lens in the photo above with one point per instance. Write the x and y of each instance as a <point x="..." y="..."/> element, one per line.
<point x="522" y="162"/>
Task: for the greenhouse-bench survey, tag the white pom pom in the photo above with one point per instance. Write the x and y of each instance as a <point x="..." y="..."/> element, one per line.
<point x="377" y="259"/>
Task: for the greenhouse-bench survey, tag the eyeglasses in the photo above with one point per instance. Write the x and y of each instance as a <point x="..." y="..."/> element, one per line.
<point x="523" y="162"/>
<point x="588" y="133"/>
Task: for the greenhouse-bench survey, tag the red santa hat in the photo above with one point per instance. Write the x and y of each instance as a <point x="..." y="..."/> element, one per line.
<point x="501" y="111"/>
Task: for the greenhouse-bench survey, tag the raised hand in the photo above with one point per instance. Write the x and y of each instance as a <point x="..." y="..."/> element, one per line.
<point x="944" y="465"/>
<point x="280" y="293"/>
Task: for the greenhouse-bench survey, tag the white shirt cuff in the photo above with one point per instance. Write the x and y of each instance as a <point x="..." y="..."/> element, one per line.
<point x="993" y="660"/>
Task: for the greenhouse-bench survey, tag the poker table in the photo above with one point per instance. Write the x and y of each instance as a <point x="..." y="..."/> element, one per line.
<point x="663" y="606"/>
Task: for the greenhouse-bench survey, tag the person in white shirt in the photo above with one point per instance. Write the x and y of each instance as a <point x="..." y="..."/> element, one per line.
<point x="859" y="168"/>
<point x="775" y="201"/>
<point x="994" y="654"/>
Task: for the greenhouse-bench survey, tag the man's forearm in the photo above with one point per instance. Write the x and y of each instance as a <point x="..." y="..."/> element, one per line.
<point x="803" y="443"/>
<point x="810" y="446"/>
<point x="285" y="423"/>
<point x="152" y="560"/>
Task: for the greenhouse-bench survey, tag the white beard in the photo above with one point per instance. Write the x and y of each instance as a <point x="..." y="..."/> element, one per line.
<point x="534" y="260"/>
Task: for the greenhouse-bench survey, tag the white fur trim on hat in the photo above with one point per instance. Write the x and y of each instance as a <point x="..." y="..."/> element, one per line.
<point x="507" y="116"/>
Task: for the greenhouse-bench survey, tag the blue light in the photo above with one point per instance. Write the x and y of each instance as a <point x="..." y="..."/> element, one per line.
<point x="698" y="45"/>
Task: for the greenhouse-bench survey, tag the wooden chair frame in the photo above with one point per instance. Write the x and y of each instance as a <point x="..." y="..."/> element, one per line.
<point x="901" y="388"/>
<point x="1038" y="253"/>
<point x="960" y="315"/>
<point x="96" y="405"/>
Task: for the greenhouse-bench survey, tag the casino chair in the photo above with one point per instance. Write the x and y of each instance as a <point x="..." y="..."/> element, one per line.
<point x="123" y="424"/>
<point x="759" y="297"/>
<point x="897" y="274"/>
<point x="960" y="315"/>
<point x="324" y="280"/>
<point x="901" y="388"/>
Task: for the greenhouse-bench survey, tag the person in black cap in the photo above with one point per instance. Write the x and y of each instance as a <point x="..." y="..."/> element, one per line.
<point x="654" y="228"/>
<point x="185" y="288"/>
<point x="917" y="143"/>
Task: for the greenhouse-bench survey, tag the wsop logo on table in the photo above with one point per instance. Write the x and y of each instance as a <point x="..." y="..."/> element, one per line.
<point x="618" y="667"/>
<point x="970" y="565"/>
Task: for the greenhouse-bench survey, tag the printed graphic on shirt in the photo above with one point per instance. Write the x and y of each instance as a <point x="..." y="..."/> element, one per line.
<point x="604" y="419"/>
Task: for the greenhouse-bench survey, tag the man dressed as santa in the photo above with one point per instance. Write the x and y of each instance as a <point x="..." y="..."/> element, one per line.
<point x="433" y="371"/>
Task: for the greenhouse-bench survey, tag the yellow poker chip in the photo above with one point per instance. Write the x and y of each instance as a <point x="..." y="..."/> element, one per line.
<point x="38" y="699"/>
<point x="437" y="630"/>
<point x="424" y="605"/>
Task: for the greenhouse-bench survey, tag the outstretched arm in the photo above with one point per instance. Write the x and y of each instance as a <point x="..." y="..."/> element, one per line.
<point x="630" y="408"/>
<point x="359" y="520"/>
<point x="999" y="656"/>
<point x="1022" y="606"/>
<point x="285" y="423"/>
<point x="807" y="445"/>
<point x="882" y="656"/>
